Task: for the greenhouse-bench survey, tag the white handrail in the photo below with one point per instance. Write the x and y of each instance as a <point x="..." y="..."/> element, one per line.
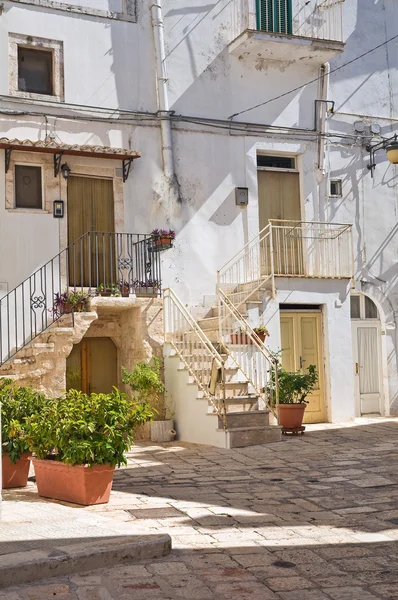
<point x="195" y="350"/>
<point x="249" y="353"/>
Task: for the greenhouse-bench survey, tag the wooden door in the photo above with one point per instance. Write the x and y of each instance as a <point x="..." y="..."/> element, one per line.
<point x="92" y="366"/>
<point x="91" y="209"/>
<point x="279" y="199"/>
<point x="366" y="353"/>
<point x="301" y="347"/>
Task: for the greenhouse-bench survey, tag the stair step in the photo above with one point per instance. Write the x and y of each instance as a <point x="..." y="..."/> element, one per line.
<point x="209" y="323"/>
<point x="242" y="437"/>
<point x="245" y="419"/>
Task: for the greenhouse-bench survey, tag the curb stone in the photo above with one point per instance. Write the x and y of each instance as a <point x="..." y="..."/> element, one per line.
<point x="34" y="565"/>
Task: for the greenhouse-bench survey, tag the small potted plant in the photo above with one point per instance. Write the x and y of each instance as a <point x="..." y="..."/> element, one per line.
<point x="17" y="404"/>
<point x="294" y="387"/>
<point x="77" y="441"/>
<point x="261" y="332"/>
<point x="163" y="238"/>
<point x="68" y="302"/>
<point x="124" y="288"/>
<point x="147" y="288"/>
<point x="108" y="289"/>
<point x="240" y="338"/>
<point x="147" y="386"/>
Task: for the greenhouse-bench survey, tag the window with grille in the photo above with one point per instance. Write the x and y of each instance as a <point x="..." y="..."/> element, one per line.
<point x="274" y="16"/>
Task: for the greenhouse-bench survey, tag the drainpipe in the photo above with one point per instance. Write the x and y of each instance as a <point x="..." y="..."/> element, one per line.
<point x="161" y="89"/>
<point x="321" y="174"/>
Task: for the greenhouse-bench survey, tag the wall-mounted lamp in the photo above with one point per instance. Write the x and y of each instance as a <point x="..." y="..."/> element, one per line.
<point x="66" y="170"/>
<point x="390" y="145"/>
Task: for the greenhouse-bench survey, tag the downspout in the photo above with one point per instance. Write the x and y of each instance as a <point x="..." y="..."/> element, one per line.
<point x="321" y="126"/>
<point x="161" y="89"/>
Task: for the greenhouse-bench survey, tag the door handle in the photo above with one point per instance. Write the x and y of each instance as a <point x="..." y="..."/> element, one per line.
<point x="301" y="362"/>
<point x="356" y="369"/>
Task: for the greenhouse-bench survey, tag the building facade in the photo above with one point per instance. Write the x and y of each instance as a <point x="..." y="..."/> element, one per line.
<point x="212" y="120"/>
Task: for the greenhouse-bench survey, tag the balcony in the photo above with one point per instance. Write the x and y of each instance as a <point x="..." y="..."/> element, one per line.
<point x="288" y="249"/>
<point x="309" y="31"/>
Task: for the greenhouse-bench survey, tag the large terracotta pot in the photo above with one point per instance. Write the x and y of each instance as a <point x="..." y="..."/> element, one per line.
<point x="79" y="483"/>
<point x="15" y="474"/>
<point x="291" y="415"/>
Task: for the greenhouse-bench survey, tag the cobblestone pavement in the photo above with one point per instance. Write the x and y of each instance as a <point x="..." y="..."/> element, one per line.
<point x="311" y="518"/>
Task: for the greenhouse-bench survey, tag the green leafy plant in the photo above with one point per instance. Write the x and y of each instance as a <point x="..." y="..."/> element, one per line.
<point x="111" y="289"/>
<point x="294" y="387"/>
<point x="17" y="405"/>
<point x="147" y="386"/>
<point x="261" y="330"/>
<point x="82" y="429"/>
<point x="68" y="302"/>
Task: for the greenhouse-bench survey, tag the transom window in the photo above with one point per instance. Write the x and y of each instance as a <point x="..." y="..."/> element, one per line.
<point x="276" y="162"/>
<point x="28" y="187"/>
<point x="362" y="307"/>
<point x="35" y="70"/>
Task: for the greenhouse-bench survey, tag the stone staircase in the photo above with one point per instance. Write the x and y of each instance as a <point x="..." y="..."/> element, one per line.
<point x="42" y="363"/>
<point x="233" y="417"/>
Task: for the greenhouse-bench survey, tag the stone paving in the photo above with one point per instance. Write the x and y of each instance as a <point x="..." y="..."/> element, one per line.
<point x="314" y="517"/>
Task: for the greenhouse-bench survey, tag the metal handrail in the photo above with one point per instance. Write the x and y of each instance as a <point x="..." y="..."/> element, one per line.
<point x="124" y="262"/>
<point x="199" y="365"/>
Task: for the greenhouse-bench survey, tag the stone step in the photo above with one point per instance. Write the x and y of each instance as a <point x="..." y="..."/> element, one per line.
<point x="242" y="437"/>
<point x="239" y="419"/>
<point x="209" y="323"/>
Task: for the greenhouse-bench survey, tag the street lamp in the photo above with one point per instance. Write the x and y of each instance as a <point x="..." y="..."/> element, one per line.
<point x="390" y="145"/>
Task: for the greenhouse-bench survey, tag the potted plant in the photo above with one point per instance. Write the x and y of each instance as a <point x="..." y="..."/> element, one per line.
<point x="124" y="288"/>
<point x="147" y="387"/>
<point x="163" y="238"/>
<point x="261" y="332"/>
<point x="240" y="338"/>
<point x="294" y="387"/>
<point x="108" y="289"/>
<point x="68" y="302"/>
<point x="78" y="440"/>
<point x="149" y="287"/>
<point x="17" y="405"/>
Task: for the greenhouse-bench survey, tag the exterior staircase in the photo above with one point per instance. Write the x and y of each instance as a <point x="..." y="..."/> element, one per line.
<point x="42" y="363"/>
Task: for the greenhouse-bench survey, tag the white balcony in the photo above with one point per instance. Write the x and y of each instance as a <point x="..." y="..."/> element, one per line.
<point x="288" y="30"/>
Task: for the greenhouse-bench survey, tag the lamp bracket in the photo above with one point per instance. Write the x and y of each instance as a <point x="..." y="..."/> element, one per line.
<point x="379" y="146"/>
<point x="57" y="163"/>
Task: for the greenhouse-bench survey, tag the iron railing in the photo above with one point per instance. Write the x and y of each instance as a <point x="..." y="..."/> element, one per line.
<point x="97" y="263"/>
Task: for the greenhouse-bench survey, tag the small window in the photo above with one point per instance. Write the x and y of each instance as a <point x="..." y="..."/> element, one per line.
<point x="355" y="307"/>
<point x="336" y="188"/>
<point x="276" y="162"/>
<point x="35" y="71"/>
<point x="28" y="191"/>
<point x="370" y="309"/>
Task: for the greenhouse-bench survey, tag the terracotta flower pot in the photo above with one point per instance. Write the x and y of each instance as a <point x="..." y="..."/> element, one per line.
<point x="291" y="415"/>
<point x="262" y="336"/>
<point x="78" y="483"/>
<point x="15" y="474"/>
<point x="240" y="338"/>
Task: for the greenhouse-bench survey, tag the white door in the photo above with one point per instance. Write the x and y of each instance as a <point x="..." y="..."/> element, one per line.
<point x="366" y="332"/>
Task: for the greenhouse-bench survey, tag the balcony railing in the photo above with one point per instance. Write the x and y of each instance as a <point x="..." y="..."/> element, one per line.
<point x="288" y="249"/>
<point x="316" y="19"/>
<point x="97" y="263"/>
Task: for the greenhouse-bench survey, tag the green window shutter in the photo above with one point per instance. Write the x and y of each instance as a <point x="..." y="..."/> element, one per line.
<point x="274" y="15"/>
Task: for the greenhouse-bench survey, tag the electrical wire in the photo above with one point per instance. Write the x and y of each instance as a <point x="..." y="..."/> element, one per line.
<point x="313" y="80"/>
